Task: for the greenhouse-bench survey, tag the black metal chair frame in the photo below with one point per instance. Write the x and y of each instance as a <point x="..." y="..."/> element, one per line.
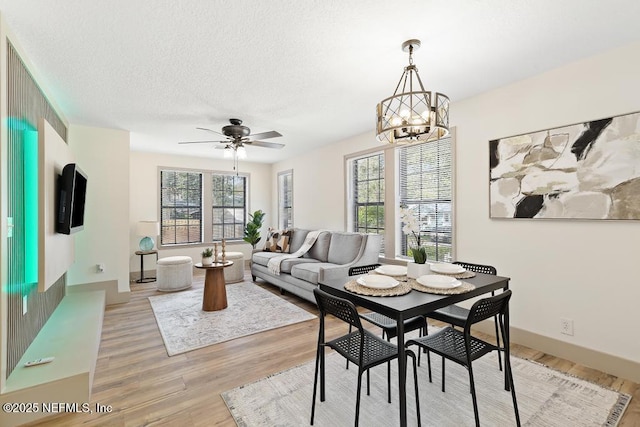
<point x="463" y="348"/>
<point x="456" y="315"/>
<point x="360" y="347"/>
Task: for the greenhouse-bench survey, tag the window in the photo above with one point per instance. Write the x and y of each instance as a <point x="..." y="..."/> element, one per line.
<point x="425" y="178"/>
<point x="180" y="207"/>
<point x="285" y="199"/>
<point x="367" y="196"/>
<point x="229" y="205"/>
<point x="183" y="198"/>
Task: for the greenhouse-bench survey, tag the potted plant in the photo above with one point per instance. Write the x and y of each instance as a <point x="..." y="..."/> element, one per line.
<point x="252" y="229"/>
<point x="207" y="256"/>
<point x="411" y="227"/>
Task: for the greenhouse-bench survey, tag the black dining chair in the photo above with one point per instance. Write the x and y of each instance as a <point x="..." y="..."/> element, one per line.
<point x="360" y="347"/>
<point x="463" y="348"/>
<point x="457" y="316"/>
<point x="388" y="325"/>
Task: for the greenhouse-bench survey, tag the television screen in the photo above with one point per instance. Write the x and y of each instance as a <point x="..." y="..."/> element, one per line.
<point x="71" y="199"/>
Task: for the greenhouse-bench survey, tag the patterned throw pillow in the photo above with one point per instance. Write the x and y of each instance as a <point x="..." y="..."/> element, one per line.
<point x="277" y="241"/>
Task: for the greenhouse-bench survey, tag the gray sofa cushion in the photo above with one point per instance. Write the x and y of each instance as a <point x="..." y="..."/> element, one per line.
<point x="308" y="272"/>
<point x="262" y="258"/>
<point x="320" y="249"/>
<point x="297" y="239"/>
<point x="344" y="247"/>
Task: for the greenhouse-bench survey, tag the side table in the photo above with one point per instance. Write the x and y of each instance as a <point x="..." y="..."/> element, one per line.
<point x="143" y="279"/>
<point x="215" y="293"/>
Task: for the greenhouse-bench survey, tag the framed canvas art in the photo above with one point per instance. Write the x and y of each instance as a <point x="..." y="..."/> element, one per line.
<point x="589" y="170"/>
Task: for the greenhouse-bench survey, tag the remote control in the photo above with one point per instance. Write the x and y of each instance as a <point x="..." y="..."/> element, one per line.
<point x="39" y="361"/>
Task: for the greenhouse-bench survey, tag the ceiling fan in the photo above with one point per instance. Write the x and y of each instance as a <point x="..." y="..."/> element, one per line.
<point x="238" y="136"/>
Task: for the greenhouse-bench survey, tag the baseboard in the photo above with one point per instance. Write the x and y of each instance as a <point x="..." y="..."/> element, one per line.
<point x="110" y="287"/>
<point x="608" y="363"/>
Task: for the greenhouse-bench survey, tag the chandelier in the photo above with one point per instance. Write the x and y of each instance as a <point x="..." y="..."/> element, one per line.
<point x="412" y="114"/>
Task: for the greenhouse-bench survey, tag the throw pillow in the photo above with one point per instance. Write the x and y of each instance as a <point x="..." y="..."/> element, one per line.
<point x="277" y="241"/>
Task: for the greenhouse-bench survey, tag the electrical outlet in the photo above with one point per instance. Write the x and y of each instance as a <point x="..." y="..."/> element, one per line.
<point x="566" y="326"/>
<point x="100" y="268"/>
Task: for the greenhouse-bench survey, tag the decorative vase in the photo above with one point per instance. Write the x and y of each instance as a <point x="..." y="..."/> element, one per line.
<point x="207" y="260"/>
<point x="415" y="270"/>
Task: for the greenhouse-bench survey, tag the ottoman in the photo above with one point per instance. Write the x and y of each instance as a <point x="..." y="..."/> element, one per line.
<point x="174" y="273"/>
<point x="235" y="273"/>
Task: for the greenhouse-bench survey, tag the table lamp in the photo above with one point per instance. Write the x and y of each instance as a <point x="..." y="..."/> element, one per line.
<point x="147" y="229"/>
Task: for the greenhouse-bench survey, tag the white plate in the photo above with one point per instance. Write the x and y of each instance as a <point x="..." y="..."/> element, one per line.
<point x="439" y="282"/>
<point x="392" y="270"/>
<point x="377" y="281"/>
<point x="446" y="268"/>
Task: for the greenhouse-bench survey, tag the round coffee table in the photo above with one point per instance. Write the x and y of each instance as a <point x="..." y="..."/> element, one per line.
<point x="215" y="293"/>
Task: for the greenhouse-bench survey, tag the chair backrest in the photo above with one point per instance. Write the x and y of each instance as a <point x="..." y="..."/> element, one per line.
<point x="486" y="308"/>
<point x="341" y="308"/>
<point x="478" y="268"/>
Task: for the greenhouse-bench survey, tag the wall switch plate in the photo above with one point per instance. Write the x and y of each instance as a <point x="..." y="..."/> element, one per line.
<point x="100" y="268"/>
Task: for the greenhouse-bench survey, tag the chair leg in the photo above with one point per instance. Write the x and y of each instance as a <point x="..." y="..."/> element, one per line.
<point x="368" y="384"/>
<point x="315" y="386"/>
<point x="389" y="382"/>
<point x="358" y="394"/>
<point x="507" y="367"/>
<point x="473" y="396"/>
<point x="443" y="360"/>
<point x="495" y="323"/>
<point x="415" y="382"/>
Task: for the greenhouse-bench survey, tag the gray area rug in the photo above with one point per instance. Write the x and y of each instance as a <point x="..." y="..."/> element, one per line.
<point x="251" y="309"/>
<point x="545" y="397"/>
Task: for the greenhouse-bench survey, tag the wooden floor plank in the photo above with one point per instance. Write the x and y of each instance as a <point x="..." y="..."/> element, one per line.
<point x="145" y="386"/>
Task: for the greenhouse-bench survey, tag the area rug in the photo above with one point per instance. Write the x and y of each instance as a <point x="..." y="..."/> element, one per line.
<point x="251" y="309"/>
<point x="545" y="397"/>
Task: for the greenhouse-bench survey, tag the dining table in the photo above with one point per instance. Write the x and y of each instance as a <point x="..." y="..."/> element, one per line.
<point x="414" y="303"/>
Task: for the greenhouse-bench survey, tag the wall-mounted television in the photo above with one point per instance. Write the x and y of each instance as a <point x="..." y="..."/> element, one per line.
<point x="72" y="191"/>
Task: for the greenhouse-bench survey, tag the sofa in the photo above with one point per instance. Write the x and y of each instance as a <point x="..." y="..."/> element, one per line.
<point x="332" y="256"/>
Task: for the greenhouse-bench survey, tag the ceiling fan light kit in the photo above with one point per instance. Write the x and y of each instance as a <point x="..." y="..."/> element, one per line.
<point x="412" y="114"/>
<point x="238" y="137"/>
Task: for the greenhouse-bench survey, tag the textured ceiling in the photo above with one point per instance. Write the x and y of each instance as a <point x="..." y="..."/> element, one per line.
<point x="311" y="69"/>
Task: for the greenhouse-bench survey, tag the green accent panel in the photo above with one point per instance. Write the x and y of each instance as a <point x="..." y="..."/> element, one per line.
<point x="30" y="142"/>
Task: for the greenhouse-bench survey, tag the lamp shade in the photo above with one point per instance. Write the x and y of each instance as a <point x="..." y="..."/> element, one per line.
<point x="150" y="230"/>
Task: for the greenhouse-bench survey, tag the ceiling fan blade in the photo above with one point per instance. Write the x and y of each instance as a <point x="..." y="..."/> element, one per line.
<point x="265" y="135"/>
<point x="265" y="144"/>
<point x="200" y="142"/>
<point x="212" y="131"/>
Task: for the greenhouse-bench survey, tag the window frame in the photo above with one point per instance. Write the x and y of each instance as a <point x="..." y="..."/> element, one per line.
<point x="206" y="209"/>
<point x="353" y="205"/>
<point x="393" y="236"/>
<point x="283" y="220"/>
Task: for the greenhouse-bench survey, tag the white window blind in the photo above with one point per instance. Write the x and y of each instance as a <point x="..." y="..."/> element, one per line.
<point x="285" y="199"/>
<point x="425" y="173"/>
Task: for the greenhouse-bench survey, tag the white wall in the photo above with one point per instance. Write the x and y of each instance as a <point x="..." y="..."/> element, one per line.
<point x="319" y="183"/>
<point x="582" y="270"/>
<point x="144" y="197"/>
<point x="559" y="268"/>
<point x="103" y="154"/>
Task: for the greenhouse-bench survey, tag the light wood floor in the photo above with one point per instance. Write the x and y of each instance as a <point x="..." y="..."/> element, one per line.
<point x="146" y="387"/>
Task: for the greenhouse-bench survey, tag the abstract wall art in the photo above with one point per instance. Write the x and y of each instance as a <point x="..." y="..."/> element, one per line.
<point x="589" y="170"/>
